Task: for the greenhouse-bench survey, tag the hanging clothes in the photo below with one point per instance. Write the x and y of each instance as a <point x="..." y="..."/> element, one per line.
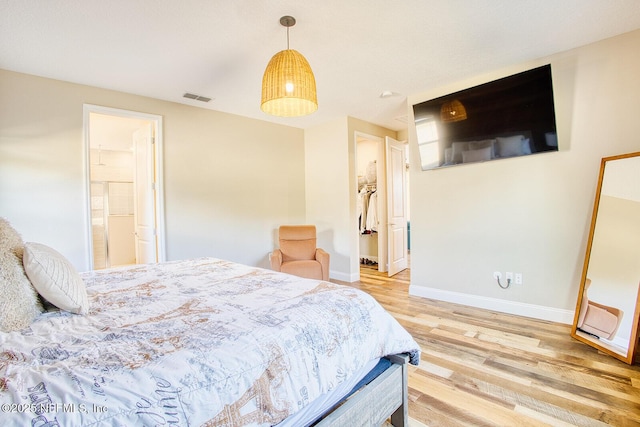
<point x="367" y="209"/>
<point x="363" y="208"/>
<point x="372" y="213"/>
<point x="360" y="207"/>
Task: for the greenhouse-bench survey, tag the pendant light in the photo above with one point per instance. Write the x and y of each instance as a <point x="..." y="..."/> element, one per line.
<point x="453" y="111"/>
<point x="288" y="84"/>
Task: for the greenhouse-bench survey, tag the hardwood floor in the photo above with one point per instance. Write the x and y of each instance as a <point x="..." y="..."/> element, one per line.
<point x="483" y="368"/>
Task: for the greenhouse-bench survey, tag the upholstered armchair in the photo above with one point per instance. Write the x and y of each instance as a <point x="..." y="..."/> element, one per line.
<point x="598" y="319"/>
<point x="298" y="254"/>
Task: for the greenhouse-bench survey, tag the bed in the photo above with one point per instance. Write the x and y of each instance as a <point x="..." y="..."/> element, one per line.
<point x="207" y="342"/>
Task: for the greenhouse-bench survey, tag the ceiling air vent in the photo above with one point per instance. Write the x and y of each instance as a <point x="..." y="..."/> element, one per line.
<point x="196" y="97"/>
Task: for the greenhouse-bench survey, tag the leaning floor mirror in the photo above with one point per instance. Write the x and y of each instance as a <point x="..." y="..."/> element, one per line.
<point x="608" y="304"/>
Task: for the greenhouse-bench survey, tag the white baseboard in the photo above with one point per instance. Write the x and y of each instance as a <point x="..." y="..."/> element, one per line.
<point x="344" y="277"/>
<point x="504" y="306"/>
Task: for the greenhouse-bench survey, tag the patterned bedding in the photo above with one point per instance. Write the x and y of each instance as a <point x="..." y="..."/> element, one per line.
<point x="197" y="342"/>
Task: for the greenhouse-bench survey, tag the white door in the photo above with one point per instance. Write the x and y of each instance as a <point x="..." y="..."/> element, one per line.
<point x="396" y="206"/>
<point x="144" y="200"/>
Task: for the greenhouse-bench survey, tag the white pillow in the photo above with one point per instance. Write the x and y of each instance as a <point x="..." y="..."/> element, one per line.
<point x="448" y="156"/>
<point x="476" y="145"/>
<point x="458" y="148"/>
<point x="551" y="139"/>
<point x="510" y="146"/>
<point x="480" y="155"/>
<point x="54" y="278"/>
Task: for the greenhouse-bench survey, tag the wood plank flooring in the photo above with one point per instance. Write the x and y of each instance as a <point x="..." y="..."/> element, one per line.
<point x="483" y="368"/>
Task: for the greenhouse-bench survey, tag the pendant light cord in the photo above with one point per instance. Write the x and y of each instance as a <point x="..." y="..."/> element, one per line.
<point x="287" y="38"/>
<point x="288" y="21"/>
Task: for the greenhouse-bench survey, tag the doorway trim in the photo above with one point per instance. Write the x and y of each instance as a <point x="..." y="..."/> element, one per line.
<point x="87" y="109"/>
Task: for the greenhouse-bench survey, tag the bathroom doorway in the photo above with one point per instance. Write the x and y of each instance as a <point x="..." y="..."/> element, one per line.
<point x="124" y="182"/>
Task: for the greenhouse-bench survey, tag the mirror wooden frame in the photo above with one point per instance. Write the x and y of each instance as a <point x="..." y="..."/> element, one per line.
<point x="594" y="342"/>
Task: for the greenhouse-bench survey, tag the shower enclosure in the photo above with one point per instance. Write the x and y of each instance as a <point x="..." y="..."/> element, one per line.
<point x="112" y="209"/>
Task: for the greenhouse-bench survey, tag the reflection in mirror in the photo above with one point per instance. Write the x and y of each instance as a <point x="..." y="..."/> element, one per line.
<point x="608" y="307"/>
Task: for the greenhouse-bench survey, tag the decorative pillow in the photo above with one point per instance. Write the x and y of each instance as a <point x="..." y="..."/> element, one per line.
<point x="551" y="139"/>
<point x="448" y="156"/>
<point x="19" y="302"/>
<point x="476" y="145"/>
<point x="458" y="148"/>
<point x="55" y="279"/>
<point x="510" y="146"/>
<point x="480" y="155"/>
<point x="526" y="146"/>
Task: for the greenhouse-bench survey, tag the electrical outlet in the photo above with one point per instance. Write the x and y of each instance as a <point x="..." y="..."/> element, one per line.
<point x="497" y="275"/>
<point x="509" y="277"/>
<point x="518" y="278"/>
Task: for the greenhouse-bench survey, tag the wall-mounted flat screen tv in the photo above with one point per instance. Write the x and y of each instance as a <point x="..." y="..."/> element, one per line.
<point x="505" y="118"/>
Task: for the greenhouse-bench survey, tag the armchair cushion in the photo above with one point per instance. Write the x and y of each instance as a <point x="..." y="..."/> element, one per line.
<point x="297" y="242"/>
<point x="601" y="321"/>
<point x="304" y="268"/>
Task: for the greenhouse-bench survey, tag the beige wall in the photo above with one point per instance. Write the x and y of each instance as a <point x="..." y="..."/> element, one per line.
<point x="529" y="215"/>
<point x="229" y="181"/>
<point x="326" y="169"/>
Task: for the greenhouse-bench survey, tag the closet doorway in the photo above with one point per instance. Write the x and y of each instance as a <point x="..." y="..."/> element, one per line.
<point x="124" y="187"/>
<point x="382" y="203"/>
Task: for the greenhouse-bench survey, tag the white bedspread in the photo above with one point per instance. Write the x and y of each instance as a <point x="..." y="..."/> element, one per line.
<point x="197" y="342"/>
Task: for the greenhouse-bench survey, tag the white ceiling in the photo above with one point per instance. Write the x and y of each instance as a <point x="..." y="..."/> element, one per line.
<point x="357" y="48"/>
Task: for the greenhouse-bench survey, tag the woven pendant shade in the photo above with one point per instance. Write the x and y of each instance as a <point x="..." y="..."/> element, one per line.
<point x="288" y="86"/>
<point x="453" y="111"/>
